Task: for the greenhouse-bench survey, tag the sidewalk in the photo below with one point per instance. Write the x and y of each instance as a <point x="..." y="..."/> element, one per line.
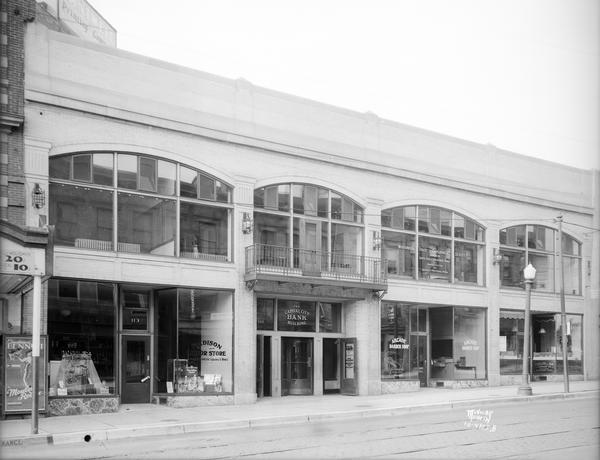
<point x="149" y="419"/>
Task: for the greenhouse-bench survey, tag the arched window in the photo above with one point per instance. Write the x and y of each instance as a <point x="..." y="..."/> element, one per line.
<point x="317" y="226"/>
<point x="431" y="243"/>
<point x="538" y="245"/>
<point x="129" y="202"/>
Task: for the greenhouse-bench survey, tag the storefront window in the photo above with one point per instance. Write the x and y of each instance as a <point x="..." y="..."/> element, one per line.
<point x="330" y="317"/>
<point x="81" y="335"/>
<point x="511" y="341"/>
<point x="202" y="323"/>
<point x="468" y="262"/>
<point x="265" y="314"/>
<point x="434" y="259"/>
<point x="469" y="343"/>
<point x="146" y="223"/>
<point x="399" y="250"/>
<point x="203" y="231"/>
<point x="312" y="228"/>
<point x="396" y="342"/>
<point x="83" y="216"/>
<point x="438" y="234"/>
<point x="536" y="244"/>
<point x="458" y="343"/>
<point x="547" y="344"/>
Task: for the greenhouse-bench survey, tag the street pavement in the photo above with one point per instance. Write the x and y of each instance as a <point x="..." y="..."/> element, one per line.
<point x="134" y="421"/>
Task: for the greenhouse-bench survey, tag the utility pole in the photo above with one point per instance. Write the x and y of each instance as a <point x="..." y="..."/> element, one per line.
<point x="563" y="314"/>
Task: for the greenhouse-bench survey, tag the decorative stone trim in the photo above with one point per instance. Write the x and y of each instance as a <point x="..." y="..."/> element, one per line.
<point x="399" y="386"/>
<point x="82" y="406"/>
<point x="194" y="401"/>
<point x="456" y="384"/>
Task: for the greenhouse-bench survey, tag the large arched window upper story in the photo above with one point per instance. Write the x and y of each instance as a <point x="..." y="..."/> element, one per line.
<point x="316" y="225"/>
<point x="134" y="203"/>
<point x="538" y="245"/>
<point x="432" y="243"/>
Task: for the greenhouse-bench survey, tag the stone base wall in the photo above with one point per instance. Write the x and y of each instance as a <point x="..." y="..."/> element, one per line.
<point x="456" y="384"/>
<point x="516" y="379"/>
<point x="397" y="386"/>
<point x="82" y="406"/>
<point x="194" y="401"/>
<point x="555" y="378"/>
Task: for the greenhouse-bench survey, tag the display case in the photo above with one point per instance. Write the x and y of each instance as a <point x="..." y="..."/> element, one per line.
<point x="182" y="378"/>
<point x="75" y="375"/>
<point x="185" y="379"/>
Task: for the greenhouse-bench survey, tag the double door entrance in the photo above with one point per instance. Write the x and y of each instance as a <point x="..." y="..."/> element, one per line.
<point x="337" y="363"/>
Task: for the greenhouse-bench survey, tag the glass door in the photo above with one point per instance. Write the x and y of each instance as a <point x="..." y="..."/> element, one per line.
<point x="419" y="340"/>
<point x="297" y="366"/>
<point x="135" y="369"/>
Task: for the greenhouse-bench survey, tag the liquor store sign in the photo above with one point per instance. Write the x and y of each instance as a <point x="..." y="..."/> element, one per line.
<point x="19" y="260"/>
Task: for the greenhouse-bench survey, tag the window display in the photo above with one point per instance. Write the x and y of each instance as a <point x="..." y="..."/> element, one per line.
<point x="75" y="374"/>
<point x="81" y="336"/>
<point x="511" y="341"/>
<point x="195" y="342"/>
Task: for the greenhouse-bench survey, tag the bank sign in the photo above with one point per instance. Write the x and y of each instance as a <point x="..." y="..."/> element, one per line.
<point x="296" y="316"/>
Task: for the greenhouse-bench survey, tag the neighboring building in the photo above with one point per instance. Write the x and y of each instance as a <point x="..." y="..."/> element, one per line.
<point x="214" y="242"/>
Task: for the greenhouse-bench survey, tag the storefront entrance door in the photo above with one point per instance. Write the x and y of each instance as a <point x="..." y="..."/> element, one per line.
<point x="135" y="369"/>
<point x="297" y="366"/>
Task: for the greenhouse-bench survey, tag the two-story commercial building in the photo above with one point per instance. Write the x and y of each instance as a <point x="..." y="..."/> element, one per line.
<point x="214" y="242"/>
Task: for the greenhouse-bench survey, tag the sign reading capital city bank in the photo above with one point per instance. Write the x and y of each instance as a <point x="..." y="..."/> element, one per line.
<point x="294" y="315"/>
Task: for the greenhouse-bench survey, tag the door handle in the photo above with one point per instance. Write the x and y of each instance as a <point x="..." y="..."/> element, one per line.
<point x="145" y="378"/>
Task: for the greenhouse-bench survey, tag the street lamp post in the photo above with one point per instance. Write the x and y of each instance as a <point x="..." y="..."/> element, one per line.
<point x="529" y="275"/>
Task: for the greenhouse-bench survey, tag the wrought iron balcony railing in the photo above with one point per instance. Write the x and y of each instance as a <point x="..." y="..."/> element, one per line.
<point x="264" y="259"/>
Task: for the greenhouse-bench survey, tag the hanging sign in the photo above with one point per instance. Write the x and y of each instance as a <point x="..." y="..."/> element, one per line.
<point x="19" y="260"/>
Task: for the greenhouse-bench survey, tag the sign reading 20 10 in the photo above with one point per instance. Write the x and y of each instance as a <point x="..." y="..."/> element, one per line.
<point x="16" y="263"/>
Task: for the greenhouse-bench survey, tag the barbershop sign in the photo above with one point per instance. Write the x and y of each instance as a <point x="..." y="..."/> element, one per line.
<point x="398" y="343"/>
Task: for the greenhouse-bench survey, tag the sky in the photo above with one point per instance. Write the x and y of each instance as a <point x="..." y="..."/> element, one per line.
<point x="523" y="75"/>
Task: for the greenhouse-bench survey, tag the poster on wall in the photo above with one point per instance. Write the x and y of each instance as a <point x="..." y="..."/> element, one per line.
<point x="18" y="375"/>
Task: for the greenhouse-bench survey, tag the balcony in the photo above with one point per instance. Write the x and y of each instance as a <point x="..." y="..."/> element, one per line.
<point x="284" y="264"/>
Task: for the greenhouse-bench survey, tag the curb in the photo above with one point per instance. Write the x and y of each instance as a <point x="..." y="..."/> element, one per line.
<point x="195" y="427"/>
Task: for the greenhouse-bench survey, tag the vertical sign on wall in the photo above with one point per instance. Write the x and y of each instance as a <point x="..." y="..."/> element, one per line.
<point x="18" y="374"/>
<point x="349" y="384"/>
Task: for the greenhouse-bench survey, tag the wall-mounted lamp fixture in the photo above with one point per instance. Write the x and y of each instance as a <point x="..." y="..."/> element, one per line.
<point x="377" y="240"/>
<point x="246" y="223"/>
<point x="497" y="257"/>
<point x="38" y="197"/>
<point x="542" y="331"/>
